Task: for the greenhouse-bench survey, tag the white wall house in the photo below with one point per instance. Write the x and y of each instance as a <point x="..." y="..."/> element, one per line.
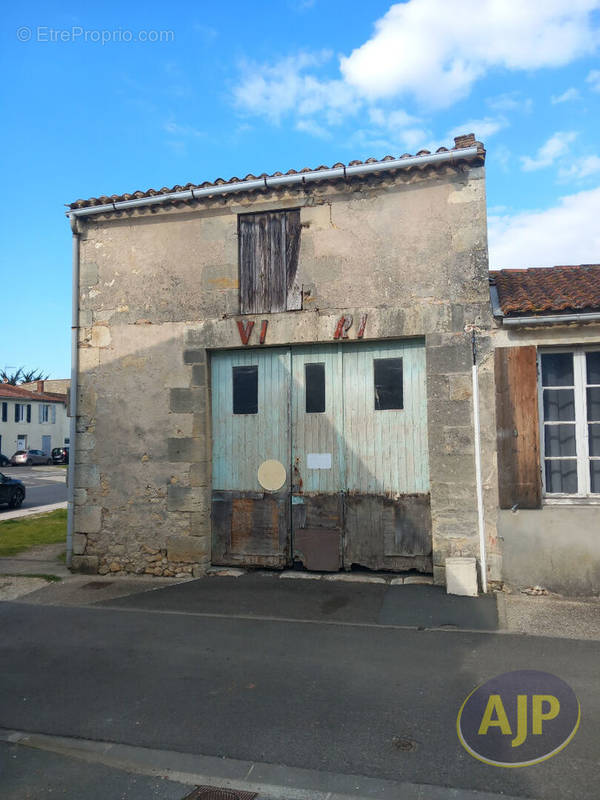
<point x="32" y="420"/>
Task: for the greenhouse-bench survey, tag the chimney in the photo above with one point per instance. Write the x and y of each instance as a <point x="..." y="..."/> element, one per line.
<point x="466" y="140"/>
<point x="40" y="386"/>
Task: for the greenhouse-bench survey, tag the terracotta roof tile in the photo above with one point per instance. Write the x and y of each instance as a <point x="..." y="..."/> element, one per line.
<point x="9" y="391"/>
<point x="544" y="290"/>
<point x="460" y="143"/>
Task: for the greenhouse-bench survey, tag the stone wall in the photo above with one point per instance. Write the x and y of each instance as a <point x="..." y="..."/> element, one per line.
<point x="159" y="291"/>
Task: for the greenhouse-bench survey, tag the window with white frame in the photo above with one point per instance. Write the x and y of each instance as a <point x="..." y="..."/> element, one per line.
<point x="45" y="413"/>
<point x="19" y="412"/>
<point x="570" y="416"/>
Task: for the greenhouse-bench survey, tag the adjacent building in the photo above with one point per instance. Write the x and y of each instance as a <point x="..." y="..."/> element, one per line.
<point x="32" y="420"/>
<point x="548" y="407"/>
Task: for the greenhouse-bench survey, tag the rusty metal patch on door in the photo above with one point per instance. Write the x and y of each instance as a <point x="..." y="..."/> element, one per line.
<point x="217" y="793"/>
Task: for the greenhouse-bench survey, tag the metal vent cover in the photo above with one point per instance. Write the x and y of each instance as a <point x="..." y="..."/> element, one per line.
<point x="218" y="793"/>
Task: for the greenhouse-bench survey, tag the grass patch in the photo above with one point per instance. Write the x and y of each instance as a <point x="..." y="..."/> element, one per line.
<point x="47" y="578"/>
<point x="62" y="557"/>
<point x="21" y="534"/>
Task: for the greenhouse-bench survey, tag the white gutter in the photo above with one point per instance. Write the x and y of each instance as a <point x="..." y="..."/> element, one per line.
<point x="277" y="181"/>
<point x="552" y="319"/>
<point x="73" y="393"/>
<point x="478" y="475"/>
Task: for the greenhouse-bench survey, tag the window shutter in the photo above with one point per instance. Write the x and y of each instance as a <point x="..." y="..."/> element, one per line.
<point x="517" y="420"/>
<point x="4" y="412"/>
<point x="28" y="412"/>
<point x="268" y="261"/>
<point x="53" y="414"/>
<point x="40" y="413"/>
<point x="16" y="412"/>
<point x="292" y="250"/>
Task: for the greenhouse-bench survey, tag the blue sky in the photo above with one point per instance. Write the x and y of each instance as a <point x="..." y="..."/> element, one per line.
<point x="222" y="89"/>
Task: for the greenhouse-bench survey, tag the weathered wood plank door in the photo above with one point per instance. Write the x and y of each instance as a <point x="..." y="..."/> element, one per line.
<point x="317" y="456"/>
<point x="346" y="425"/>
<point x="387" y="502"/>
<point x="250" y="426"/>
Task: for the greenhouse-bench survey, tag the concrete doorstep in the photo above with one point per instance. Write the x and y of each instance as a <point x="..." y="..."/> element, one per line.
<point x="270" y="781"/>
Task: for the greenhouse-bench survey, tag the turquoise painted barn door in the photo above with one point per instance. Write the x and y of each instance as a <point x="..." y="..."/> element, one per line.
<point x="251" y="426"/>
<point x="317" y="456"/>
<point x="387" y="501"/>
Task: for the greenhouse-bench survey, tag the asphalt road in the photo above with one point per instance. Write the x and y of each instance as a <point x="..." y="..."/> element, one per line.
<point x="318" y="694"/>
<point x="43" y="485"/>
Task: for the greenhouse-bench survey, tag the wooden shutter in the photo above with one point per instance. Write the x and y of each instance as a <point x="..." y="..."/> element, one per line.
<point x="28" y="412"/>
<point x="16" y="412"/>
<point x="268" y="259"/>
<point x="4" y="412"/>
<point x="517" y="419"/>
<point x="40" y="412"/>
<point x="53" y="414"/>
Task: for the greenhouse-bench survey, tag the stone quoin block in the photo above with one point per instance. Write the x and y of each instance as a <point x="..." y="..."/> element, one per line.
<point x="88" y="519"/>
<point x="184" y="449"/>
<point x="187" y="549"/>
<point x="199" y="375"/>
<point x="87" y="564"/>
<point x="194" y="357"/>
<point x="187" y="498"/>
<point x="79" y="543"/>
<point x="187" y="401"/>
<point x="87" y="476"/>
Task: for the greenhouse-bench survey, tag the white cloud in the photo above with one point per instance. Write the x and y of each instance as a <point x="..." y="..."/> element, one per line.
<point x="568" y="233"/>
<point x="429" y="50"/>
<point x="565" y="97"/>
<point x="482" y="128"/>
<point x="580" y="169"/>
<point x="594" y="80"/>
<point x="182" y="130"/>
<point x="436" y="50"/>
<point x="556" y="146"/>
<point x="510" y="101"/>
<point x="273" y="90"/>
<point x="312" y="127"/>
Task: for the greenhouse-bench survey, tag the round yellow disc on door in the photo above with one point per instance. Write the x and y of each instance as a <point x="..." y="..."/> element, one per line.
<point x="271" y="475"/>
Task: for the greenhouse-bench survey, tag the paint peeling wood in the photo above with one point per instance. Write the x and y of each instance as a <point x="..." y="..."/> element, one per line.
<point x="269" y="245"/>
<point x="250" y="528"/>
<point x="388" y="533"/>
<point x="517" y="418"/>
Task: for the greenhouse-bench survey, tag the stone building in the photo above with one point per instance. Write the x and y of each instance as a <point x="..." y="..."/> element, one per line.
<point x="279" y="369"/>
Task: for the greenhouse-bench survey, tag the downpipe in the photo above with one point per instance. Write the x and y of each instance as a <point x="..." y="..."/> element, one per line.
<point x="478" y="476"/>
<point x="73" y="391"/>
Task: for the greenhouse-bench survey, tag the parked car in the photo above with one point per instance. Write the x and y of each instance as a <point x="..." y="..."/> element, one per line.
<point x="30" y="457"/>
<point x="12" y="491"/>
<point x="60" y="455"/>
<point x="4" y="460"/>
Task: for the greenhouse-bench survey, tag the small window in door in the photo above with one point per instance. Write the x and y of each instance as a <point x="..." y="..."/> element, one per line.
<point x="387" y="374"/>
<point x="245" y="390"/>
<point x="314" y="381"/>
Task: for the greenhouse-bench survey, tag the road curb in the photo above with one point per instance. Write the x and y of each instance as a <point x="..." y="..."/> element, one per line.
<point x="31" y="512"/>
<point x="275" y="781"/>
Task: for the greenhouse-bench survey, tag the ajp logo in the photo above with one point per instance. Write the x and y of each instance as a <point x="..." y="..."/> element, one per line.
<point x="518" y="718"/>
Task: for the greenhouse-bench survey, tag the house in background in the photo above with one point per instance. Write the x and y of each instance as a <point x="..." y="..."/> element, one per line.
<point x="51" y="385"/>
<point x="284" y="365"/>
<point x="32" y="420"/>
<point x="547" y="373"/>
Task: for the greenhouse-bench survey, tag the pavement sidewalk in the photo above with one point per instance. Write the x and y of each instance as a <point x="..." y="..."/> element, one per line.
<point x="365" y="599"/>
